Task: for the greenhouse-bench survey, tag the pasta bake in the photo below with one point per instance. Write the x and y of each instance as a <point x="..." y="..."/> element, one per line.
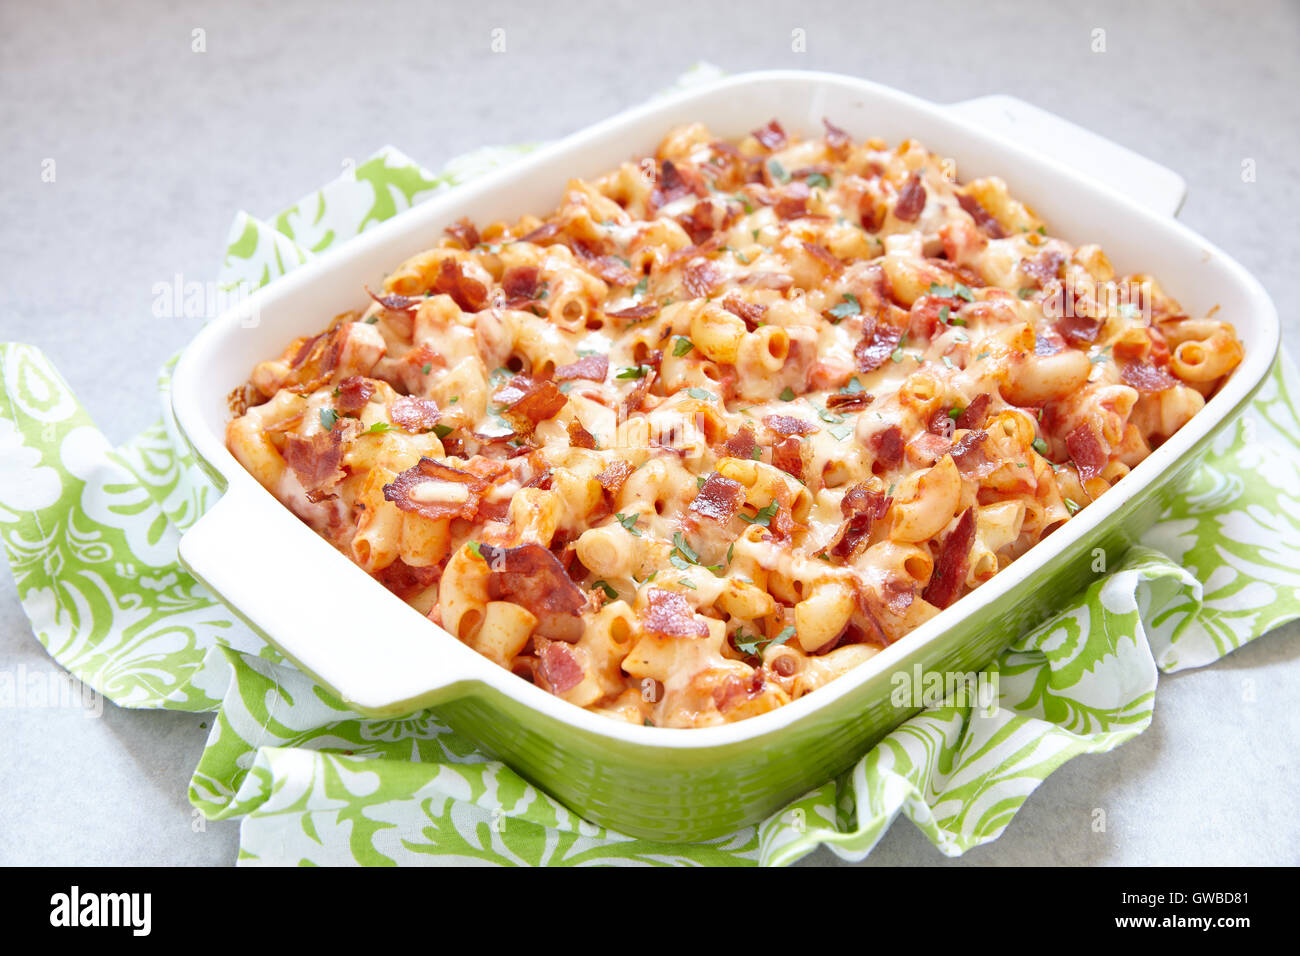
<point x="729" y="421"/>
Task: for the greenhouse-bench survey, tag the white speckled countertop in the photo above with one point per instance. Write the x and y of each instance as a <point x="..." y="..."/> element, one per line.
<point x="156" y="146"/>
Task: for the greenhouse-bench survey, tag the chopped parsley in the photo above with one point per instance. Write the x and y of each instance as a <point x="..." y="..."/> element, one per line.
<point x="1040" y="446"/>
<point x="764" y="516"/>
<point x="820" y="180"/>
<point x="701" y="394"/>
<point x="378" y="427"/>
<point x="848" y="306"/>
<point x="787" y="395"/>
<point x="755" y="645"/>
<point x="956" y="412"/>
<point x="1072" y="506"/>
<point x="607" y="588"/>
<point x="629" y="522"/>
<point x="442" y="431"/>
<point x="636" y="371"/>
<point x="327" y="418"/>
<point x="778" y="171"/>
<point x="682" y="346"/>
<point x="640" y="287"/>
<point x="473" y="548"/>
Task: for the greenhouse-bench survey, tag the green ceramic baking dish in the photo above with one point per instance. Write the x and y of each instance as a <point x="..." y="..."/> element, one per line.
<point x="384" y="658"/>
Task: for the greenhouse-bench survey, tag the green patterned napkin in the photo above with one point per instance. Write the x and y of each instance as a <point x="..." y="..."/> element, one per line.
<point x="91" y="535"/>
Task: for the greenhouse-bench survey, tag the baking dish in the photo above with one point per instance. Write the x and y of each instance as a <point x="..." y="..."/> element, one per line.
<point x="384" y="658"/>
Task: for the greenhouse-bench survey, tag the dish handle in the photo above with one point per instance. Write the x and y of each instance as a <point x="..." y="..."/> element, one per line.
<point x="313" y="604"/>
<point x="1146" y="182"/>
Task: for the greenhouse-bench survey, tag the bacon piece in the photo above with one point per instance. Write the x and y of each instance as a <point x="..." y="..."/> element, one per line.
<point x="395" y="302"/>
<point x="592" y="367"/>
<point x="751" y="313"/>
<point x="968" y="454"/>
<point x="701" y="277"/>
<point x="634" y="312"/>
<point x="414" y="414"/>
<point x="613" y="270"/>
<point x="463" y="231"/>
<point x="719" y="498"/>
<point x="824" y="256"/>
<point x="1044" y="267"/>
<point x="837" y="140"/>
<point x="792" y="201"/>
<point x="436" y="490"/>
<point x="898" y="593"/>
<point x="405" y="580"/>
<point x="543" y="234"/>
<point x="788" y="425"/>
<point x="354" y="393"/>
<point x="698" y="223"/>
<point x="777" y="281"/>
<point x="675" y="182"/>
<point x="579" y="437"/>
<point x="973" y="415"/>
<point x="667" y="614"/>
<point x="1087" y="451"/>
<point x="954" y="561"/>
<point x="468" y="293"/>
<point x="1048" y="342"/>
<point x="860" y="506"/>
<point x="532" y="577"/>
<point x="1146" y="377"/>
<point x="772" y="136"/>
<point x="983" y="218"/>
<point x="741" y="444"/>
<point x="540" y="480"/>
<point x="888" y="446"/>
<point x="612" y="478"/>
<point x="1079" y="330"/>
<point x="876" y="346"/>
<point x="558" y="667"/>
<point x="315" y="460"/>
<point x="870" y="213"/>
<point x="849" y="401"/>
<point x="787" y="455"/>
<point x="911" y="199"/>
<point x="632" y="403"/>
<point x="528" y="403"/>
<point x="941" y="423"/>
<point x="520" y="284"/>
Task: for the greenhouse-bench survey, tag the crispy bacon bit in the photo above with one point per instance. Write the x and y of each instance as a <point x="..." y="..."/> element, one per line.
<point x="436" y="490"/>
<point x="1146" y="377"/>
<point x="543" y="234"/>
<point x="414" y="414"/>
<point x="876" y="346"/>
<point x="787" y="455"/>
<point x="394" y="302"/>
<point x="781" y="524"/>
<point x="698" y="223"/>
<point x="973" y="415"/>
<point x="983" y="218"/>
<point x="354" y="393"/>
<point x="778" y="281"/>
<point x="888" y="446"/>
<point x="849" y="401"/>
<point x="405" y="580"/>
<point x="1048" y="342"/>
<point x="306" y="348"/>
<point x="674" y="182"/>
<point x="613" y="270"/>
<point x="463" y="231"/>
<point x="632" y="403"/>
<point x="860" y="507"/>
<point x="579" y="437"/>
<point x="788" y="425"/>
<point x="520" y="284"/>
<point x="667" y="614"/>
<point x="612" y="478"/>
<point x="719" y="498"/>
<point x="528" y="403"/>
<point x="954" y="561"/>
<point x="824" y="256"/>
<point x="468" y="293"/>
<point x="315" y="460"/>
<point x="634" y="313"/>
<point x="540" y="480"/>
<point x="772" y="136"/>
<point x="593" y="367"/>
<point x="898" y="593"/>
<point x="870" y="213"/>
<point x="968" y="454"/>
<point x="532" y="577"/>
<point x="792" y="201"/>
<point x="701" y="277"/>
<point x="751" y="313"/>
<point x="1044" y="267"/>
<point x="837" y="140"/>
<point x="941" y="423"/>
<point x="558" y="667"/>
<point x="1079" y="330"/>
<point x="911" y="199"/>
<point x="1087" y="451"/>
<point x="741" y="444"/>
